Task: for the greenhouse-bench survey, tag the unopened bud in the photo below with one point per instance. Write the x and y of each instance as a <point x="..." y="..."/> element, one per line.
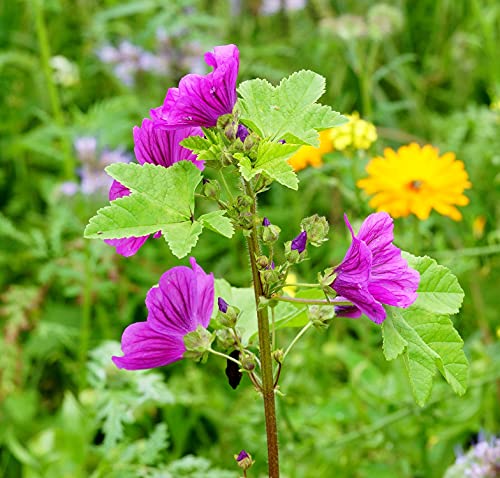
<point x="211" y="189"/>
<point x="230" y="131"/>
<point x="247" y="362"/>
<point x="299" y="243"/>
<point x="262" y="262"/>
<point x="244" y="460"/>
<point x="224" y="120"/>
<point x="316" y="228"/>
<point x="244" y="202"/>
<point x="228" y="314"/>
<point x="270" y="233"/>
<point x="278" y="355"/>
<point x="250" y="141"/>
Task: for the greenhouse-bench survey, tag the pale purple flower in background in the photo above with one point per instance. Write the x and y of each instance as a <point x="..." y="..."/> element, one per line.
<point x="300" y="242"/>
<point x="93" y="178"/>
<point x="200" y="100"/>
<point x="154" y="146"/>
<point x="182" y="301"/>
<point x="482" y="460"/>
<point x="69" y="188"/>
<point x="373" y="272"/>
<point x="128" y="60"/>
<point x="270" y="7"/>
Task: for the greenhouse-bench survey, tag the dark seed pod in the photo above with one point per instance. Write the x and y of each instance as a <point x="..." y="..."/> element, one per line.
<point x="233" y="373"/>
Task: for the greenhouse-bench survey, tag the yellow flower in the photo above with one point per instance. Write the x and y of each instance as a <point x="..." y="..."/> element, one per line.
<point x="357" y="134"/>
<point x="309" y="155"/>
<point x="478" y="226"/>
<point x="291" y="289"/>
<point x="416" y="180"/>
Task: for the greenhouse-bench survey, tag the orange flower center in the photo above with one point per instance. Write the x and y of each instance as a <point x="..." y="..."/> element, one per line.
<point x="415" y="185"/>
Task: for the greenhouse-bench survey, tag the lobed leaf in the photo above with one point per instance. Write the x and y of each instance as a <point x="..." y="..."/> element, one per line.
<point x="439" y="291"/>
<point x="289" y="110"/>
<point x="428" y="343"/>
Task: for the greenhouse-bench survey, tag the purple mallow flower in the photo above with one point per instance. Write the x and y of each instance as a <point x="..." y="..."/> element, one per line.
<point x="160" y="147"/>
<point x="373" y="272"/>
<point x="155" y="146"/>
<point x="299" y="243"/>
<point x="182" y="301"/>
<point x="201" y="99"/>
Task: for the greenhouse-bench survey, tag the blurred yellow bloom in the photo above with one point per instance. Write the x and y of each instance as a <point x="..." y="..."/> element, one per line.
<point x="291" y="279"/>
<point x="356" y="134"/>
<point x="478" y="227"/>
<point x="416" y="180"/>
<point x="309" y="155"/>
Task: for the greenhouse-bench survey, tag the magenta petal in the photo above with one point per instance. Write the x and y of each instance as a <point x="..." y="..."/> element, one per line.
<point x="161" y="147"/>
<point x="373" y="271"/>
<point x="183" y="300"/>
<point x="127" y="246"/>
<point x="118" y="190"/>
<point x="205" y="292"/>
<point x="200" y="100"/>
<point x="143" y="347"/>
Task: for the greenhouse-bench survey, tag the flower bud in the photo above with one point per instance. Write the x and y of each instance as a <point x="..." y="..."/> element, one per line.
<point x="278" y="355"/>
<point x="247" y="362"/>
<point x="242" y="133"/>
<point x="224" y="120"/>
<point x="226" y="339"/>
<point x="299" y="243"/>
<point x="316" y="228"/>
<point x="250" y="141"/>
<point x="211" y="188"/>
<point x="197" y="343"/>
<point x="269" y="232"/>
<point x="244" y="460"/>
<point x="230" y="131"/>
<point x="222" y="304"/>
<point x="262" y="262"/>
<point x="244" y="202"/>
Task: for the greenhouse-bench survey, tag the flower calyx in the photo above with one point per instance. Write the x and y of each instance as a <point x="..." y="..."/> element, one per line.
<point x="198" y="343"/>
<point x="317" y="228"/>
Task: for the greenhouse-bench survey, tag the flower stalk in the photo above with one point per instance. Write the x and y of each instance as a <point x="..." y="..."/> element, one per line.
<point x="267" y="387"/>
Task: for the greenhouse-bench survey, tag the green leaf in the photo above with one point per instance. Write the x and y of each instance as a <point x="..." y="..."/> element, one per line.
<point x="217" y="222"/>
<point x="182" y="237"/>
<point x="439" y="291"/>
<point x="289" y="110"/>
<point x="428" y="343"/>
<point x="272" y="160"/>
<point x="161" y="199"/>
<point x="196" y="143"/>
<point x="424" y="334"/>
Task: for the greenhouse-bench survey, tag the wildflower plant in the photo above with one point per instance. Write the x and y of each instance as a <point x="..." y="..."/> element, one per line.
<point x="246" y="134"/>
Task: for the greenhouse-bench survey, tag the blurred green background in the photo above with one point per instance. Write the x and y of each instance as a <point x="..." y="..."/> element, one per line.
<point x="425" y="71"/>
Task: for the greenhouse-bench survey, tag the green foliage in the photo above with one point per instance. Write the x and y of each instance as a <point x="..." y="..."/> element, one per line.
<point x="161" y="199"/>
<point x="271" y="159"/>
<point x="424" y="336"/>
<point x="288" y="111"/>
